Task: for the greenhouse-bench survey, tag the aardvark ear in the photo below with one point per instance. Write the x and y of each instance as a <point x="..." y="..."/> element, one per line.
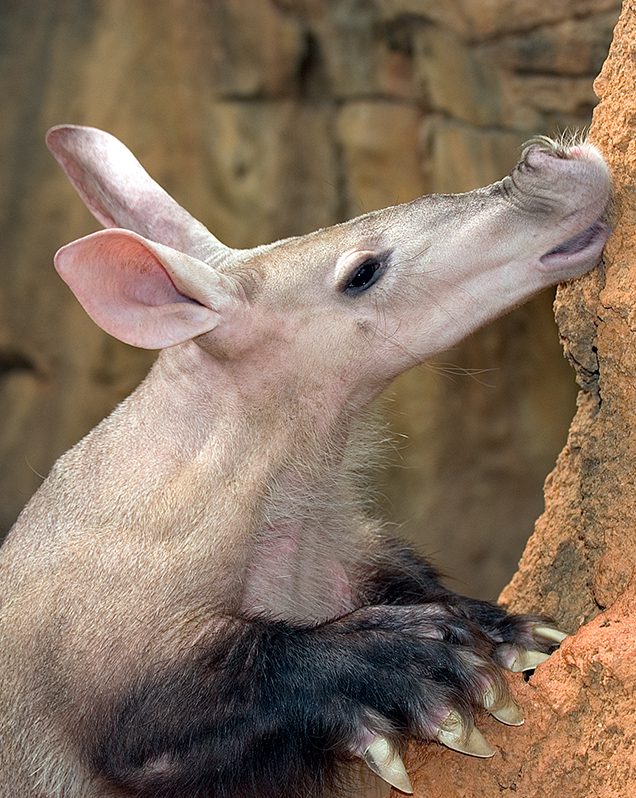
<point x="144" y="293"/>
<point x="120" y="193"/>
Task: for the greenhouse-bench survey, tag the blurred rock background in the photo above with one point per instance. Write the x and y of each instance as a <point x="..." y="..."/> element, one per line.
<point x="269" y="118"/>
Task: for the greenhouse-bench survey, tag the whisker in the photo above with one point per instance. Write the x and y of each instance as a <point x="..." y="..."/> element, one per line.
<point x="37" y="473"/>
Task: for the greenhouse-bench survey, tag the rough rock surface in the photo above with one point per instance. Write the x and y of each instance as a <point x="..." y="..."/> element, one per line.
<point x="268" y="118"/>
<point x="579" y="738"/>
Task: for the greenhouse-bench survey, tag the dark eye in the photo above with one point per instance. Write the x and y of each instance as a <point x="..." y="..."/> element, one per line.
<point x="365" y="275"/>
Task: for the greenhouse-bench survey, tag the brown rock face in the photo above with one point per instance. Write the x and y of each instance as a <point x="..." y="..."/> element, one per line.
<point x="579" y="738"/>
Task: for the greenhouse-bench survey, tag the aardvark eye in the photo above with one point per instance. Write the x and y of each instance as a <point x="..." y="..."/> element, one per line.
<point x="364" y="276"/>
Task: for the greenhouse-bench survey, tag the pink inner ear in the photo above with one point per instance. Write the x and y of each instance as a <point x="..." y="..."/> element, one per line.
<point x="118" y="272"/>
<point x="124" y="288"/>
<point x="142" y="279"/>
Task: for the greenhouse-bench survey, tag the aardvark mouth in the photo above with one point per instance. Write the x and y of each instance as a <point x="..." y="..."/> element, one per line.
<point x="586" y="243"/>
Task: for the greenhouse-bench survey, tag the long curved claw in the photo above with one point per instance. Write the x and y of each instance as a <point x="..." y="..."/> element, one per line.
<point x="549" y="633"/>
<point x="510" y="714"/>
<point x="453" y="735"/>
<point x="505" y="711"/>
<point x="382" y="758"/>
<point x="527" y="660"/>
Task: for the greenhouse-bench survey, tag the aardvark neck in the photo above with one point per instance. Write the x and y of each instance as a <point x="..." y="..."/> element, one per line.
<point x="282" y="476"/>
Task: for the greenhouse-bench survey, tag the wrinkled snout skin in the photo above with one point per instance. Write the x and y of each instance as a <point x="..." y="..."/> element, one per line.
<point x="490" y="245"/>
<point x="196" y="603"/>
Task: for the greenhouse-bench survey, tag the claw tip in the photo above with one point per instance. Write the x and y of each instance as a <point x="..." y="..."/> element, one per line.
<point x="528" y="661"/>
<point x="454" y="736"/>
<point x="382" y="758"/>
<point x="549" y="633"/>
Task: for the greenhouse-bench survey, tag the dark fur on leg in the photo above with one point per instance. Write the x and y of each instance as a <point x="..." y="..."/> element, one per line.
<point x="266" y="705"/>
<point x="399" y="575"/>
